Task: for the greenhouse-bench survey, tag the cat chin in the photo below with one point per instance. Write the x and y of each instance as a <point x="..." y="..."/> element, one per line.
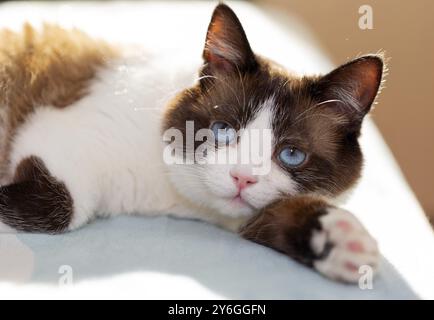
<point x="218" y="204"/>
<point x="236" y="208"/>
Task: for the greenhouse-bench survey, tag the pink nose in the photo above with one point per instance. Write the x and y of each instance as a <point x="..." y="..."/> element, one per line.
<point x="242" y="180"/>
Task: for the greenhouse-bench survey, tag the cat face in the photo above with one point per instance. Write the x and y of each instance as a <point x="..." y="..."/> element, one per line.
<point x="306" y="128"/>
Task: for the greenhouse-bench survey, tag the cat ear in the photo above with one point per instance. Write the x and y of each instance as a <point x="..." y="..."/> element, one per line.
<point x="226" y="46"/>
<point x="351" y="88"/>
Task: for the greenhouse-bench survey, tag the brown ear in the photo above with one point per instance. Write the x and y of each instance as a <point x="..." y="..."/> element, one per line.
<point x="351" y="88"/>
<point x="226" y="46"/>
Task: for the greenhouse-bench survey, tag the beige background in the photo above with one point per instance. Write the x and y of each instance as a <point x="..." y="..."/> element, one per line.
<point x="404" y="29"/>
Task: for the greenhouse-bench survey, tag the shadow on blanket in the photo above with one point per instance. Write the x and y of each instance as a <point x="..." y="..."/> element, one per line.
<point x="218" y="260"/>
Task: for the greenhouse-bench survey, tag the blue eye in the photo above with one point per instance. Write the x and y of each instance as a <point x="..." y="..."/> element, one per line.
<point x="223" y="132"/>
<point x="292" y="157"/>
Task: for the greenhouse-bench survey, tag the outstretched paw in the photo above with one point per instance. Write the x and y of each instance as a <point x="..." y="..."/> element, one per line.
<point x="343" y="246"/>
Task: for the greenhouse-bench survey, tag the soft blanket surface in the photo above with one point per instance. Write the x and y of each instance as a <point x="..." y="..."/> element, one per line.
<point x="134" y="257"/>
<point x="170" y="258"/>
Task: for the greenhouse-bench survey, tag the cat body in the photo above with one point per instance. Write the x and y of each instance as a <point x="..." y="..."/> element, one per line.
<point x="110" y="131"/>
<point x="84" y="137"/>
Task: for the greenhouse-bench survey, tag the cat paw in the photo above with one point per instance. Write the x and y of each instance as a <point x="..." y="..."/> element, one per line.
<point x="343" y="245"/>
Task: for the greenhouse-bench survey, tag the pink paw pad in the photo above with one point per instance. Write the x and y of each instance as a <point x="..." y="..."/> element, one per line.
<point x="351" y="266"/>
<point x="344" y="225"/>
<point x="355" y="246"/>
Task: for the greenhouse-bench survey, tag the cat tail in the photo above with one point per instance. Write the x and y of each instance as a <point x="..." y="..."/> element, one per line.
<point x="35" y="201"/>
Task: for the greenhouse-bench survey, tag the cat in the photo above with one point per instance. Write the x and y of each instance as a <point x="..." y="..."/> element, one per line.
<point x="84" y="134"/>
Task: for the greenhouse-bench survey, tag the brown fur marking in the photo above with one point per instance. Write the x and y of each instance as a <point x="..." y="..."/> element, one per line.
<point x="35" y="201"/>
<point x="51" y="67"/>
<point x="287" y="226"/>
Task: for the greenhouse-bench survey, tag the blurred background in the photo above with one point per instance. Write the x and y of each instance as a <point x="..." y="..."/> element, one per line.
<point x="405" y="30"/>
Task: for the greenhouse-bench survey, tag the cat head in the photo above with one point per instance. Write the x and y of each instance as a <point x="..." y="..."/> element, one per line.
<point x="312" y="124"/>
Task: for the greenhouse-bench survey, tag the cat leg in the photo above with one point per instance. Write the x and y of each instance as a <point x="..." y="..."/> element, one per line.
<point x="317" y="234"/>
<point x="35" y="201"/>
